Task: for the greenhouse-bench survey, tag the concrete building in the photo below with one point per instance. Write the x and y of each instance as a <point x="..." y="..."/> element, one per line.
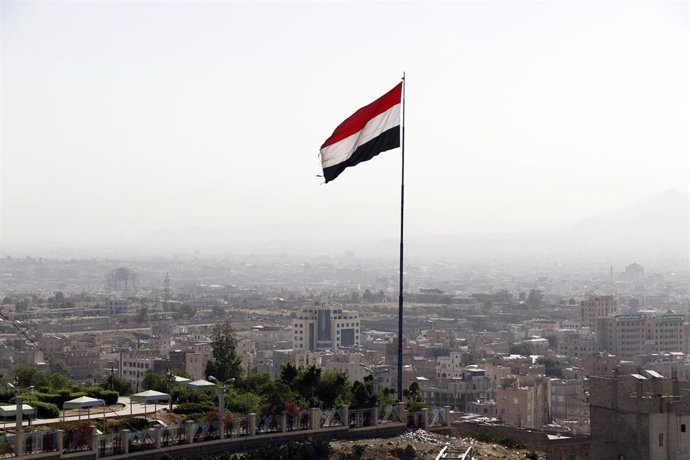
<point x="642" y="333"/>
<point x="122" y="280"/>
<point x="449" y="366"/>
<point x="135" y="364"/>
<point x="322" y="327"/>
<point x="471" y="385"/>
<point x="523" y="405"/>
<point x="596" y="307"/>
<point x="120" y="307"/>
<point x="636" y="417"/>
<point x="568" y="402"/>
<point x="576" y="342"/>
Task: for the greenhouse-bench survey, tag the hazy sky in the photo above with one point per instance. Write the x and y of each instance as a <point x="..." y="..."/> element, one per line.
<point x="123" y="118"/>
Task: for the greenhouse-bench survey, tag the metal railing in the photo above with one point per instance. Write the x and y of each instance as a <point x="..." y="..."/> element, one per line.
<point x="85" y="438"/>
<point x="141" y="440"/>
<point x="237" y="427"/>
<point x="110" y="444"/>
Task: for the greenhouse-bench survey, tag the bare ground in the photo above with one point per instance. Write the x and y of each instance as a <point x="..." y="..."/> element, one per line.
<point x="419" y="444"/>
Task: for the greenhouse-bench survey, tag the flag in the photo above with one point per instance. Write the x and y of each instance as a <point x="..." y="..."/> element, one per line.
<point x="369" y="131"/>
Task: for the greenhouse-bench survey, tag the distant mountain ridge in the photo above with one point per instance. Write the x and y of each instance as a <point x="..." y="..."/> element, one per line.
<point x="661" y="217"/>
<point x="656" y="224"/>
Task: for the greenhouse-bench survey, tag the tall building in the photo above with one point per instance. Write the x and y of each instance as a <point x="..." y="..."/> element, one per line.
<point x="635" y="334"/>
<point x="596" y="307"/>
<point x="122" y="280"/>
<point x="323" y="327"/>
<point x="634" y="274"/>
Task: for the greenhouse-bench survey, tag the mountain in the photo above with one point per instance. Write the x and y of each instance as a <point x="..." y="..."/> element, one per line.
<point x="655" y="226"/>
<point x="657" y="223"/>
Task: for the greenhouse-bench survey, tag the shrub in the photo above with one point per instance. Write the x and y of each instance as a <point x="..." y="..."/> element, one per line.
<point x="110" y="397"/>
<point x="128" y="423"/>
<point x="190" y="408"/>
<point x="46" y="410"/>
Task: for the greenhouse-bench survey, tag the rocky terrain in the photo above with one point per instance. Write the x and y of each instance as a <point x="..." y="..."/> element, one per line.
<point x="420" y="444"/>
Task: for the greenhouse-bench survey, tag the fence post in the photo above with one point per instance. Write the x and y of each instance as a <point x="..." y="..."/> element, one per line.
<point x="346" y="416"/>
<point x="425" y="417"/>
<point x="189" y="432"/>
<point x="252" y="423"/>
<point x="157" y="435"/>
<point x="403" y="412"/>
<point x="93" y="441"/>
<point x="314" y="418"/>
<point x="283" y="422"/>
<point x="374" y="416"/>
<point x="60" y="441"/>
<point x="125" y="441"/>
<point x="221" y="427"/>
<point x="446" y="415"/>
<point x="19" y="436"/>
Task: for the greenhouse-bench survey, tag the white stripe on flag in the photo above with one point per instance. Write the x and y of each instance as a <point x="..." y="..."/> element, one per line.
<point x="342" y="150"/>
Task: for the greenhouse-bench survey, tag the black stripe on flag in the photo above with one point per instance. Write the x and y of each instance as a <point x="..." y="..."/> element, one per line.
<point x="387" y="140"/>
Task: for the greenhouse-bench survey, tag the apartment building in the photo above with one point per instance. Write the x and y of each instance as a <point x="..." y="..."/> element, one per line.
<point x="523" y="404"/>
<point x="642" y="333"/>
<point x="596" y="307"/>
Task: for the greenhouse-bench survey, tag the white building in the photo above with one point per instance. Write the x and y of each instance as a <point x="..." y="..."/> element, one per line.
<point x="322" y="327"/>
<point x="120" y="307"/>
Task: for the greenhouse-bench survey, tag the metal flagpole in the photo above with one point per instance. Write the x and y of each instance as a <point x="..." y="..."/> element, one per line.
<point x="402" y="213"/>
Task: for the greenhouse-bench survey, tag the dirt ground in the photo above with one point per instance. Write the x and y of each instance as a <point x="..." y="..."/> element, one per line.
<point x="420" y="444"/>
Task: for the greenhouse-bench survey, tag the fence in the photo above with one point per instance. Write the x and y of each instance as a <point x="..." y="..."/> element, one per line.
<point x="85" y="438"/>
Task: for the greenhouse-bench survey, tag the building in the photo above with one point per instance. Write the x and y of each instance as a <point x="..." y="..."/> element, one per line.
<point x="523" y="405"/>
<point x="120" y="307"/>
<point x="635" y="334"/>
<point x="636" y="417"/>
<point x="576" y="342"/>
<point x="596" y="307"/>
<point x="568" y="402"/>
<point x="449" y="366"/>
<point x="122" y="280"/>
<point x="469" y="386"/>
<point x="135" y="364"/>
<point x="322" y="327"/>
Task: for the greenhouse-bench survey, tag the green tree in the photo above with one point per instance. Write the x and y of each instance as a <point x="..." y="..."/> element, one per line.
<point x="114" y="382"/>
<point x="59" y="382"/>
<point x="363" y="393"/>
<point x="288" y="373"/>
<point x="414" y="397"/>
<point x="157" y="381"/>
<point x="226" y="364"/>
<point x="552" y="367"/>
<point x="331" y="385"/>
<point x="307" y="381"/>
<point x="277" y="396"/>
<point x="520" y="348"/>
<point x="27" y="376"/>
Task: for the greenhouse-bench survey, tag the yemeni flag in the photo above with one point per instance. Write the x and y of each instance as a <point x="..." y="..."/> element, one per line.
<point x="369" y="131"/>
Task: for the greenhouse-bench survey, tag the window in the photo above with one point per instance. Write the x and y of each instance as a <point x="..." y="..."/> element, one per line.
<point x="661" y="439"/>
<point x="682" y="428"/>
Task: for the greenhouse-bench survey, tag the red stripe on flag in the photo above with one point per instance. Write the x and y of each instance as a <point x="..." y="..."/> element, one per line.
<point x="361" y="117"/>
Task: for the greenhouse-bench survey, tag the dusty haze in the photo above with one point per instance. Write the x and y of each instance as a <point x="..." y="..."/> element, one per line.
<point x="154" y="127"/>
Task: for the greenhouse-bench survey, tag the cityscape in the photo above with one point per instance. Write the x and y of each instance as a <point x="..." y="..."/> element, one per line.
<point x="345" y="230"/>
<point x="529" y="346"/>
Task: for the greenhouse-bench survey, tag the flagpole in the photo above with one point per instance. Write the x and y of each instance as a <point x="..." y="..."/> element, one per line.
<point x="402" y="214"/>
